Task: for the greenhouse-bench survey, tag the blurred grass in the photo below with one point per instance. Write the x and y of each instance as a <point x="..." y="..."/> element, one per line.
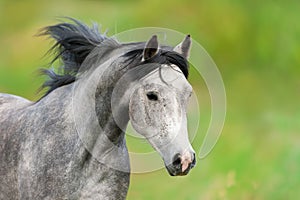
<point x="256" y="47"/>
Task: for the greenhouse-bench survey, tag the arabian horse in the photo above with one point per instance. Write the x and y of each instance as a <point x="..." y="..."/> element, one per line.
<point x="70" y="144"/>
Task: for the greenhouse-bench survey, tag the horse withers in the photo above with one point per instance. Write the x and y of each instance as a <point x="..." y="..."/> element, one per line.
<point x="70" y="144"/>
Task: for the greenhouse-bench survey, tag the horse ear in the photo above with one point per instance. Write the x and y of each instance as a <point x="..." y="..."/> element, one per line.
<point x="184" y="47"/>
<point x="151" y="48"/>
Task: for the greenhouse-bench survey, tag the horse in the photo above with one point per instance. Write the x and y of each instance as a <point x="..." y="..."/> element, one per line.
<point x="70" y="144"/>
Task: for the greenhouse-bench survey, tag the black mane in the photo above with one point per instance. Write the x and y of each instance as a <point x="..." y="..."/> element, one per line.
<point x="75" y="41"/>
<point x="164" y="56"/>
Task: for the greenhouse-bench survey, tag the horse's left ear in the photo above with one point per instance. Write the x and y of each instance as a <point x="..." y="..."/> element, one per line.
<point x="151" y="48"/>
<point x="184" y="47"/>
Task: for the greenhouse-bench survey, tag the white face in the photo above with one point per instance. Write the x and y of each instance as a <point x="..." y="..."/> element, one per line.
<point x="157" y="110"/>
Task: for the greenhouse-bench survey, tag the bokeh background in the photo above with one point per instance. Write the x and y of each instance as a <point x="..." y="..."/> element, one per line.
<point x="255" y="44"/>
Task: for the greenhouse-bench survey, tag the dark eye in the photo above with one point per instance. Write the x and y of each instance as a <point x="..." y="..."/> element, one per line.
<point x="152" y="96"/>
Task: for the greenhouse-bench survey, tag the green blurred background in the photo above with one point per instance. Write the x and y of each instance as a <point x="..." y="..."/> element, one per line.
<point x="255" y="44"/>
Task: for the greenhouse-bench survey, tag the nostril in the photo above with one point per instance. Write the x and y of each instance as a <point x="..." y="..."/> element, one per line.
<point x="194" y="160"/>
<point x="152" y="96"/>
<point x="176" y="160"/>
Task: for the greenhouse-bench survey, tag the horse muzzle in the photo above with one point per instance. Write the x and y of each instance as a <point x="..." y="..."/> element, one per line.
<point x="181" y="164"/>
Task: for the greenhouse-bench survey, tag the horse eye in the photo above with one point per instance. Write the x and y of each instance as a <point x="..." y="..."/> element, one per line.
<point x="152" y="96"/>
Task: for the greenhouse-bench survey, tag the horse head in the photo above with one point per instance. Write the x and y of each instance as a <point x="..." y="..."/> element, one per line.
<point x="157" y="108"/>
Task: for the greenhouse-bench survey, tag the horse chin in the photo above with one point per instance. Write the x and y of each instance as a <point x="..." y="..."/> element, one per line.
<point x="177" y="172"/>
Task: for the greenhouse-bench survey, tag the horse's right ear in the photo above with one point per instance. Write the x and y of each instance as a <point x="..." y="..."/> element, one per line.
<point x="151" y="48"/>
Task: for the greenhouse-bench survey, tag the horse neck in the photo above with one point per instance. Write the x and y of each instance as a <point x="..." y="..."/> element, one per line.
<point x="107" y="109"/>
<point x="94" y="117"/>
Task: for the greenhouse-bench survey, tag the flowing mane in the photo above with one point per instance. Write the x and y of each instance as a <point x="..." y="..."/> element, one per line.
<point x="75" y="41"/>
